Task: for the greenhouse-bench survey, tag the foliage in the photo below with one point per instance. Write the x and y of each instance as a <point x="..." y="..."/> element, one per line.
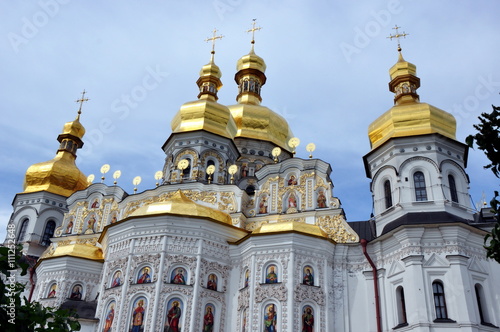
<point x="488" y="140"/>
<point x="16" y="313"/>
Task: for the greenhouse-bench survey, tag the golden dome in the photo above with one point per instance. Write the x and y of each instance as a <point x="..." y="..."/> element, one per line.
<point x="291" y="226"/>
<point x="60" y="175"/>
<point x="253" y="120"/>
<point x="251" y="61"/>
<point x="180" y="205"/>
<point x="409" y="117"/>
<point x="205" y="113"/>
<point x="74" y="128"/>
<point x="261" y="123"/>
<point x="76" y="248"/>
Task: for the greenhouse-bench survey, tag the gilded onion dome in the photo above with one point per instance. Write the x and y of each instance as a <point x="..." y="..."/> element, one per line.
<point x="253" y="120"/>
<point x="408" y="116"/>
<point x="60" y="175"/>
<point x="205" y="113"/>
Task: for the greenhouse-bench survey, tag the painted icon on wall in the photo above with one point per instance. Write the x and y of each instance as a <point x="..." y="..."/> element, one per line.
<point x="76" y="292"/>
<point x="308" y="276"/>
<point x="144" y="276"/>
<point x="117" y="279"/>
<point x="208" y="318"/>
<point x="110" y="315"/>
<point x="270" y="318"/>
<point x="174" y="315"/>
<point x="308" y="319"/>
<point x="271" y="274"/>
<point x="178" y="276"/>
<point x="212" y="282"/>
<point x="138" y="313"/>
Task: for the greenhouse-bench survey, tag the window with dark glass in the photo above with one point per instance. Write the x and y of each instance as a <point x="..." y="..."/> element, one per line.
<point x="400" y="298"/>
<point x="419" y="183"/>
<point x="22" y="231"/>
<point x="439" y="300"/>
<point x="387" y="194"/>
<point x="453" y="188"/>
<point x="186" y="171"/>
<point x="481" y="306"/>
<point x="48" y="233"/>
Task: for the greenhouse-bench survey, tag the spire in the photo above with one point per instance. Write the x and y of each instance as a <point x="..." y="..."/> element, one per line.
<point x="250" y="75"/>
<point x="209" y="82"/>
<point x="60" y="175"/>
<point x="404" y="81"/>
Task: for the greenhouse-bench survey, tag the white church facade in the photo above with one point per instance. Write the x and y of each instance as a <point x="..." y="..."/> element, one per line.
<point x="241" y="235"/>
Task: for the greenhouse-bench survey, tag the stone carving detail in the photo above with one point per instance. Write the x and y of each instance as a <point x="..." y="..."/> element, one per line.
<point x="337" y="229"/>
<point x="208" y="267"/>
<point x="183" y="244"/>
<point x="304" y="292"/>
<point x="243" y="298"/>
<point x="266" y="291"/>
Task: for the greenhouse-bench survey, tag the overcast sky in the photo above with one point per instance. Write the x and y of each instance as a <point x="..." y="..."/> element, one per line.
<point x="327" y="74"/>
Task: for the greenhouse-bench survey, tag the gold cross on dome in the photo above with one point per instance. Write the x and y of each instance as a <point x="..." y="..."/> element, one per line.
<point x="81" y="101"/>
<point x="213" y="39"/>
<point x="253" y="29"/>
<point x="398" y="35"/>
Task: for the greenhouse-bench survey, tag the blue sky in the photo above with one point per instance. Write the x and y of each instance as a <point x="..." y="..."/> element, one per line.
<point x="327" y="74"/>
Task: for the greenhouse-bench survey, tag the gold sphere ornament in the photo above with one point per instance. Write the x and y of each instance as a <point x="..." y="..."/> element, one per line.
<point x="276" y="152"/>
<point x="158" y="176"/>
<point x="90" y="178"/>
<point x="310" y="148"/>
<point x="232" y="170"/>
<point x="183" y="164"/>
<point x="116" y="176"/>
<point x="293" y="143"/>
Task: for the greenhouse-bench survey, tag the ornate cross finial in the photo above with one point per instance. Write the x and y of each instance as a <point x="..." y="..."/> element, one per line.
<point x="398" y="35"/>
<point x="81" y="100"/>
<point x="253" y="29"/>
<point x="213" y="39"/>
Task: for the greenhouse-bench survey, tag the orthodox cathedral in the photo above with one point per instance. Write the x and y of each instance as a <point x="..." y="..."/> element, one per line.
<point x="241" y="235"/>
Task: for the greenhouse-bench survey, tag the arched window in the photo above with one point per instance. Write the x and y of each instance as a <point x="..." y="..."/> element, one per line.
<point x="481" y="305"/>
<point x="401" y="305"/>
<point x="453" y="188"/>
<point x="419" y="183"/>
<point x="22" y="231"/>
<point x="439" y="300"/>
<point x="48" y="233"/>
<point x="187" y="171"/>
<point x="387" y="194"/>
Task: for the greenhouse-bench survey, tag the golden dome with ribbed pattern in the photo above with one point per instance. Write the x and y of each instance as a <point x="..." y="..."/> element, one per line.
<point x="60" y="175"/>
<point x="409" y="117"/>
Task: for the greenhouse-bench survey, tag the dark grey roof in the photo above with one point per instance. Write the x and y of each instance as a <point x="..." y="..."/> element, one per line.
<point x="84" y="309"/>
<point x="365" y="229"/>
<point x="424" y="218"/>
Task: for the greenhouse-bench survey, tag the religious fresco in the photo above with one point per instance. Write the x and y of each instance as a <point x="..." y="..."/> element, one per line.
<point x="247" y="278"/>
<point x="116" y="280"/>
<point x="69" y="226"/>
<point x="90" y="225"/>
<point x="113" y="218"/>
<point x="139" y="307"/>
<point x="178" y="276"/>
<point x="263" y="204"/>
<point x="270" y="318"/>
<point x="321" y="199"/>
<point x="308" y="276"/>
<point x="307" y="319"/>
<point x="109" y="317"/>
<point x="271" y="274"/>
<point x="292" y="180"/>
<point x="95" y="204"/>
<point x="173" y="321"/>
<point x="244" y="327"/>
<point x="212" y="282"/>
<point x="52" y="291"/>
<point x="76" y="292"/>
<point x="291" y="201"/>
<point x="208" y="318"/>
<point x="144" y="275"/>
